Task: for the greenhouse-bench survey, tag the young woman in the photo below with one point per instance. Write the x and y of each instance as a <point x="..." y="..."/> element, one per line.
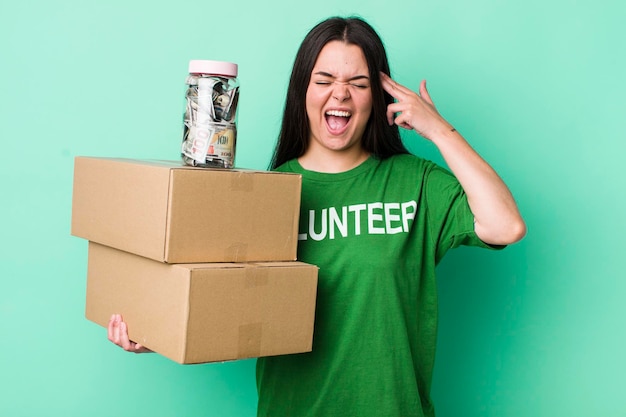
<point x="376" y="220"/>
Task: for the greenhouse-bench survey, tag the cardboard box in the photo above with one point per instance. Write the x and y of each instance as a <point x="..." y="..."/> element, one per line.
<point x="195" y="313"/>
<point x="174" y="213"/>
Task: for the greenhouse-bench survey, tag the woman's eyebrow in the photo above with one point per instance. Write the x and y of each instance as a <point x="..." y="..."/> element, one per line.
<point x="356" y="77"/>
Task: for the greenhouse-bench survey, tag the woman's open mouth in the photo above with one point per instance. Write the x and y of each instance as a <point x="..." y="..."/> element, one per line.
<point x="337" y="120"/>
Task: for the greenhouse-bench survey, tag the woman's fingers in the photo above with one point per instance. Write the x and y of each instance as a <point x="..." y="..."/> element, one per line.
<point x="407" y="103"/>
<point x="411" y="110"/>
<point x="425" y="95"/>
<point x="395" y="89"/>
<point x="125" y="342"/>
<point x="117" y="332"/>
<point x="113" y="329"/>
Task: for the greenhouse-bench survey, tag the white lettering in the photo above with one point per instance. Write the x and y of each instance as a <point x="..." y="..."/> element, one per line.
<point x="406" y="215"/>
<point x="373" y="217"/>
<point x="389" y="218"/>
<point x="357" y="209"/>
<point x="381" y="218"/>
<point x="334" y="220"/>
<point x="323" y="222"/>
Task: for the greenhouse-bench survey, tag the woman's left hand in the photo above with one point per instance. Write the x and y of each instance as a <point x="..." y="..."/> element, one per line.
<point x="413" y="111"/>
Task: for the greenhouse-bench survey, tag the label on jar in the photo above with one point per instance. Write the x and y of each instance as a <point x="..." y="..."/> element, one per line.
<point x="222" y="145"/>
<point x="211" y="142"/>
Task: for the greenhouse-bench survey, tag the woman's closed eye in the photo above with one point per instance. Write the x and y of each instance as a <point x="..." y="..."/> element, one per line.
<point x="355" y="84"/>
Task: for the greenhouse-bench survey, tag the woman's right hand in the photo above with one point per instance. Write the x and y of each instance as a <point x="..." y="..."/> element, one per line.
<point x="118" y="334"/>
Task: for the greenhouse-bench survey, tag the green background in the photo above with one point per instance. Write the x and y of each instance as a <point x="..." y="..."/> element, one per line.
<point x="537" y="87"/>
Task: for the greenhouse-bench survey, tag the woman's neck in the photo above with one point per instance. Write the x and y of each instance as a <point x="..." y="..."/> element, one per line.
<point x="333" y="162"/>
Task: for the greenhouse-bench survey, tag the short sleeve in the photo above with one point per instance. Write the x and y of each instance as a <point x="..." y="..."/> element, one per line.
<point x="450" y="220"/>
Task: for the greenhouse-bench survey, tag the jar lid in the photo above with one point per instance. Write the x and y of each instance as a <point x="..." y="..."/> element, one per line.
<point x="199" y="66"/>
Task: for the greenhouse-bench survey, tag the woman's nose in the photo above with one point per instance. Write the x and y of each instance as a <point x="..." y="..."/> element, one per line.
<point x="341" y="91"/>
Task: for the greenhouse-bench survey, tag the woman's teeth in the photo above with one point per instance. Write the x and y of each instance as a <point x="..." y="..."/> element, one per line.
<point x="338" y="113"/>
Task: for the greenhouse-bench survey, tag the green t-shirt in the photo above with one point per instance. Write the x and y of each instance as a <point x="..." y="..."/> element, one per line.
<point x="376" y="232"/>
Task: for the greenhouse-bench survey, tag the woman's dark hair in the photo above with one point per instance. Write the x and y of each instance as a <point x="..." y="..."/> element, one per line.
<point x="379" y="139"/>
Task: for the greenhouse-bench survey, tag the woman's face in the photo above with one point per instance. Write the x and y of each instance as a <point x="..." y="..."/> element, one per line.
<point x="338" y="98"/>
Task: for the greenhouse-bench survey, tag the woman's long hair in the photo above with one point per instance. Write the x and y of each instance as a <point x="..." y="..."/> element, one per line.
<point x="379" y="139"/>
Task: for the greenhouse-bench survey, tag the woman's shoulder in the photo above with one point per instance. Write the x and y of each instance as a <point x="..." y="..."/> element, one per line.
<point x="408" y="161"/>
<point x="288" y="166"/>
<point x="415" y="168"/>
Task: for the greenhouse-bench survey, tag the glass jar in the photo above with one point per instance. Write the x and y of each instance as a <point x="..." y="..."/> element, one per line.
<point x="210" y="132"/>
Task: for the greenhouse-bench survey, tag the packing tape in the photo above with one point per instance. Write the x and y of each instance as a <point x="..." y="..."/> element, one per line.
<point x="242" y="181"/>
<point x="250" y="336"/>
<point x="257" y="276"/>
<point x="237" y="252"/>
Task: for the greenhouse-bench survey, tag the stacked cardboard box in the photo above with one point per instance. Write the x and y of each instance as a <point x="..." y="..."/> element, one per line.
<point x="200" y="262"/>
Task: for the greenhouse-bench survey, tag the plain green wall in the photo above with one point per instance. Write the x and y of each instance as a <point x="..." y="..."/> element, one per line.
<point x="537" y="87"/>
